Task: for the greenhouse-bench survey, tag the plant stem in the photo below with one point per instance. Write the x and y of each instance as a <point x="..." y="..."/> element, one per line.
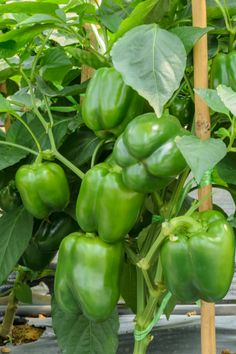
<point x="38" y="55"/>
<point x="69" y="164"/>
<point x="148" y="281"/>
<point x="28" y="128"/>
<point x="48" y="128"/>
<point x="176" y="195"/>
<point x="131" y="254"/>
<point x="157" y="200"/>
<point x="140" y="292"/>
<point x="224" y="13"/>
<point x="35" y="108"/>
<point x="140" y="347"/>
<point x="145" y="262"/>
<point x="19" y="147"/>
<point x="8" y="320"/>
<point x="189" y="86"/>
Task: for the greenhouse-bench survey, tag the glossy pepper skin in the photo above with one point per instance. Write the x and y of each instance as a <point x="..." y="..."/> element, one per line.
<point x="182" y="108"/>
<point x="109" y="104"/>
<point x="43" y="188"/>
<point x="198" y="258"/>
<point x="223" y="70"/>
<point x="147" y="152"/>
<point x="88" y="275"/>
<point x="46" y="241"/>
<point x="105" y="205"/>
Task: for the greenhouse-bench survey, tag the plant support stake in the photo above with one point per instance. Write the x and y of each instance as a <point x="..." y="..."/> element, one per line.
<point x="202" y="125"/>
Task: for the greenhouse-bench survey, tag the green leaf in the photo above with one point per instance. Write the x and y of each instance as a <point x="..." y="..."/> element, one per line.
<point x="10" y="155"/>
<point x="29" y="7"/>
<point x="190" y="35"/>
<point x="55" y="64"/>
<point x="23" y="293"/>
<point x="92" y="59"/>
<point x="227" y="168"/>
<point x="79" y="147"/>
<point x="170" y="306"/>
<point x="4" y="105"/>
<point x="82" y="335"/>
<point x="153" y="65"/>
<point x="73" y="90"/>
<point x="6" y="73"/>
<point x="16" y="230"/>
<point x="19" y="135"/>
<point x="129" y="285"/>
<point x="11" y="41"/>
<point x="39" y="18"/>
<point x="201" y="155"/>
<point x="213" y="100"/>
<point x="228" y="97"/>
<point x="148" y="11"/>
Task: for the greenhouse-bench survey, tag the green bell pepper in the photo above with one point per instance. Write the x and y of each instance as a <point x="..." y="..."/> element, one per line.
<point x="198" y="256"/>
<point x="223" y="70"/>
<point x="88" y="275"/>
<point x="105" y="205"/>
<point x="43" y="188"/>
<point x="182" y="108"/>
<point x="46" y="241"/>
<point x="109" y="104"/>
<point x="148" y="153"/>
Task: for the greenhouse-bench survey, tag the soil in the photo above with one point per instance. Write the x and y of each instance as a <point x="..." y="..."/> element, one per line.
<point x="227" y="351"/>
<point x="22" y="333"/>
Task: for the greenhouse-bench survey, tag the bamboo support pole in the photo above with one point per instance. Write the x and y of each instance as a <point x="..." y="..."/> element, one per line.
<point x="202" y="126"/>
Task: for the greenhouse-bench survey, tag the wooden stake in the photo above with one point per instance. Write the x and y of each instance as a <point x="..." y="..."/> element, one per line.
<point x="203" y="125"/>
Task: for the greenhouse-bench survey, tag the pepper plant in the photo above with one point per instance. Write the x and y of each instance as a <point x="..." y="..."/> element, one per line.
<point x="101" y="168"/>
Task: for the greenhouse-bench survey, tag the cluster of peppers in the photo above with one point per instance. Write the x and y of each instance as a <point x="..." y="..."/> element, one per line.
<point x="112" y="194"/>
<point x="197" y="253"/>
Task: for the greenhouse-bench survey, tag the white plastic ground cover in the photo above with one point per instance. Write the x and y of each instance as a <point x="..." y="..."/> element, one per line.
<point x="180" y="335"/>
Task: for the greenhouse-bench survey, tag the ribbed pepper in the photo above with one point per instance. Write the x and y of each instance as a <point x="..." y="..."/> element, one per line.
<point x="109" y="104"/>
<point x="198" y="257"/>
<point x="88" y="275"/>
<point x="43" y="188"/>
<point x="223" y="70"/>
<point x="105" y="205"/>
<point x="147" y="152"/>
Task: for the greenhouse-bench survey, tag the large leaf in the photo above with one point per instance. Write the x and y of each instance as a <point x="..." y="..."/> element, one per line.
<point x="213" y="100"/>
<point x="16" y="230"/>
<point x="228" y="97"/>
<point x="76" y="334"/>
<point x="152" y="61"/>
<point x="190" y="35"/>
<point x="148" y="11"/>
<point x="201" y="155"/>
